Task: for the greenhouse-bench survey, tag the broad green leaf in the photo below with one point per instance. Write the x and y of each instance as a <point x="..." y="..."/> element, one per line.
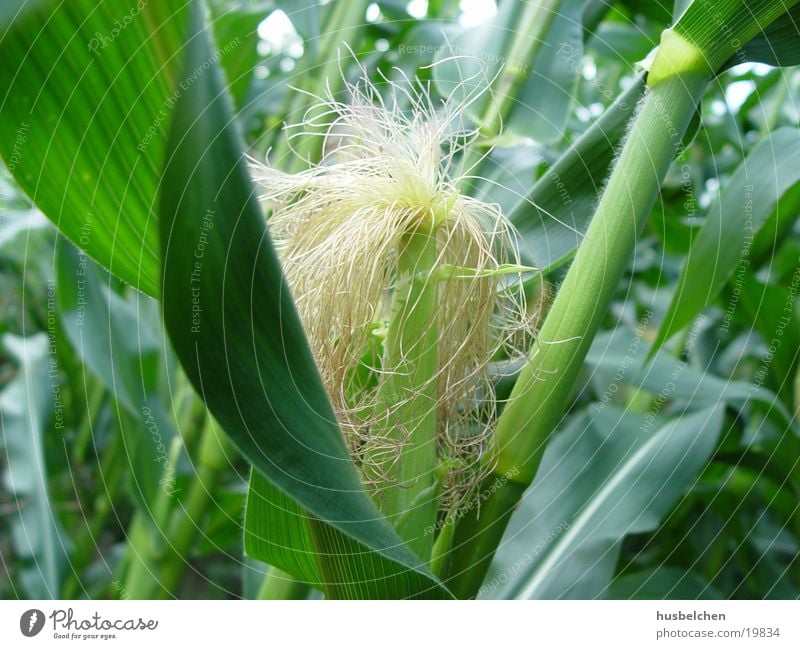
<point x="232" y="321"/>
<point x="607" y="475"/>
<point x="27" y="414"/>
<point x="543" y="86"/>
<point x="772" y="312"/>
<point x="278" y="531"/>
<point x="778" y="44"/>
<point x="120" y="342"/>
<point x="745" y="202"/>
<point x="86" y="89"/>
<point x="719" y="29"/>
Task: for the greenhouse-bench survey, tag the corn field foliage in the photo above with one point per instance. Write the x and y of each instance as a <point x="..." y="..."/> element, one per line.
<point x="428" y="299"/>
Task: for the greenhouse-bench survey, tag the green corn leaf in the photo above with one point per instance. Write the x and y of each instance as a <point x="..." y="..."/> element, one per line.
<point x="662" y="583"/>
<point x="232" y="321"/>
<point x="719" y="30"/>
<point x="120" y="342"/>
<point x="778" y="44"/>
<point x="674" y="378"/>
<point x="605" y="476"/>
<point x="26" y="407"/>
<point x="83" y="121"/>
<point x="278" y="531"/>
<point x="744" y="204"/>
<point x="765" y="306"/>
<point x="238" y="25"/>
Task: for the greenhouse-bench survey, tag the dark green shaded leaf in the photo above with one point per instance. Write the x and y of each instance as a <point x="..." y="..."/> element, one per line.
<point x="778" y="44"/>
<point x="662" y="583"/>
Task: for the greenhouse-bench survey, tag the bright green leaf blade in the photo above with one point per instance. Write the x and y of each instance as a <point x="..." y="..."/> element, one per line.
<point x="235" y="329"/>
<point x="604" y="477"/>
<point x="86" y="87"/>
<point x="278" y="531"/>
<point x="744" y="204"/>
<point x="778" y="44"/>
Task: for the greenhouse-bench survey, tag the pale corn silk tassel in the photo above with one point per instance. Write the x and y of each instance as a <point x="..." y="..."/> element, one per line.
<point x="389" y="163"/>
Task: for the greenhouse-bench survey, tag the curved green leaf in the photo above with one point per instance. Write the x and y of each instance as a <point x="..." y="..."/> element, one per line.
<point x="778" y="44"/>
<point x="748" y="198"/>
<point x="86" y="88"/>
<point x="232" y="321"/>
<point x="719" y="29"/>
<point x="278" y="532"/>
<point x="607" y="475"/>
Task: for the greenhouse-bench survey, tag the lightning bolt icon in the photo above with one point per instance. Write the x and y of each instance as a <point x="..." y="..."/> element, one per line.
<point x="32" y="620"/>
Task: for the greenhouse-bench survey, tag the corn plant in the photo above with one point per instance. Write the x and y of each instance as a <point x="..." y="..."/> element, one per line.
<point x="383" y="287"/>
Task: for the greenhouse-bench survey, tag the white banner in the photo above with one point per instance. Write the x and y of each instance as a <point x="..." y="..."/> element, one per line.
<point x="387" y="625"/>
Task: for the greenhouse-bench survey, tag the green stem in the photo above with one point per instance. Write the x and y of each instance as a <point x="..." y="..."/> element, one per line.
<point x="96" y="395"/>
<point x="145" y="539"/>
<point x="186" y="522"/>
<point x="112" y="465"/>
<point x="407" y="395"/>
<point x="544" y="389"/>
<point x="535" y="22"/>
<point x="577" y="312"/>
